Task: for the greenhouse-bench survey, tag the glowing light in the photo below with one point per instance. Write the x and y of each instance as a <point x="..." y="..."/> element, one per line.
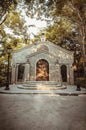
<point x="42" y="70"/>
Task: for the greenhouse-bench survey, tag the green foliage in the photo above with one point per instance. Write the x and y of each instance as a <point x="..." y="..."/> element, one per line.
<point x="59" y="30"/>
<point x="16" y="31"/>
<point x="5" y="7"/>
<point x="2" y="74"/>
<point x="82" y="82"/>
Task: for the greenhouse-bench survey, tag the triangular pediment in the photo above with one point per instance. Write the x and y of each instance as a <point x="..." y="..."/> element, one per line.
<point x="43" y="49"/>
<point x="37" y="45"/>
<point x="41" y="52"/>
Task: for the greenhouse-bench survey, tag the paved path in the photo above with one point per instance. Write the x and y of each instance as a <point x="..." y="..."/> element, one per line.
<point x="42" y="112"/>
<point x="71" y="90"/>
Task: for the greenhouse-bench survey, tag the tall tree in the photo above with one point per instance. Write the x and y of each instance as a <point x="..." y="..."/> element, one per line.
<point x="5" y="7"/>
<point x="75" y="10"/>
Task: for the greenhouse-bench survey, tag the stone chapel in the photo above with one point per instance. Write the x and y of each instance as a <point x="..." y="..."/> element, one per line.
<point x="42" y="62"/>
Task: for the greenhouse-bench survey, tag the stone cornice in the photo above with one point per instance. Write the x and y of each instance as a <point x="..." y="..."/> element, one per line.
<point x="45" y="43"/>
<point x="60" y="48"/>
<point x="40" y="52"/>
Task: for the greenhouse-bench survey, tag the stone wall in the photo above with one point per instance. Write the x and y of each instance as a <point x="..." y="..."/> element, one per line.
<point x="54" y="55"/>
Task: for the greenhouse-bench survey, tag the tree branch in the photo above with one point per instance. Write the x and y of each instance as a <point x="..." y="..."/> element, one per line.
<point x="3" y="18"/>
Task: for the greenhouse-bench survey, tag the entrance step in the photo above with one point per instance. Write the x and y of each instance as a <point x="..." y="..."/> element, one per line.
<point x="42" y="88"/>
<point x="37" y="83"/>
<point x="42" y="85"/>
<point x="44" y="82"/>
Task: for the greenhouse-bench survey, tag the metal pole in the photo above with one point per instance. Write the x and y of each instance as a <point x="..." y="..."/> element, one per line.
<point x="7" y="84"/>
<point x="78" y="84"/>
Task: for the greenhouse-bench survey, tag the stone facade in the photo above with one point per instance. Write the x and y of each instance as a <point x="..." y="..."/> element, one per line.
<point x="44" y="60"/>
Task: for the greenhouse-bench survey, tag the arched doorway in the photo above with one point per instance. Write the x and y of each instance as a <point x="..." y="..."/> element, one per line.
<point x="64" y="73"/>
<point x="42" y="70"/>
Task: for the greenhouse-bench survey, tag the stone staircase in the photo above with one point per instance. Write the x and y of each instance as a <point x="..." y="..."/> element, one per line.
<point x="36" y="83"/>
<point x="41" y="85"/>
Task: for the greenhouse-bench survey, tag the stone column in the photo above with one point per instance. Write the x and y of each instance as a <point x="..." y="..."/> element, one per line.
<point x="51" y="72"/>
<point x="27" y="72"/>
<point x="68" y="74"/>
<point x="32" y="72"/>
<point x="71" y="75"/>
<point x="59" y="74"/>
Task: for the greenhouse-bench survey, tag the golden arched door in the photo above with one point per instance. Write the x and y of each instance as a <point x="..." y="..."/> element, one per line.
<point x="42" y="70"/>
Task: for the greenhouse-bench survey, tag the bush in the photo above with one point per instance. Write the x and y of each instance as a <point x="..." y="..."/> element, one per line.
<point x="82" y="82"/>
<point x="2" y="81"/>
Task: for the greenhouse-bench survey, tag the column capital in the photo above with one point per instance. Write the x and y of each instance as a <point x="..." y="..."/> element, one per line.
<point x="17" y="65"/>
<point x="27" y="62"/>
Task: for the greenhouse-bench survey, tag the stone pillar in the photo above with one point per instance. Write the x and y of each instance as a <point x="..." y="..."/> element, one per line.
<point x="51" y="72"/>
<point x="58" y="76"/>
<point x="32" y="72"/>
<point x="27" y="72"/>
<point x="55" y="74"/>
<point x="68" y="74"/>
<point x="13" y="74"/>
<point x="54" y="71"/>
<point x="71" y="75"/>
<point x="59" y="69"/>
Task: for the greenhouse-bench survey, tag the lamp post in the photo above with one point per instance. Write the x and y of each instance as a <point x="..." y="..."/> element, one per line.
<point x="78" y="84"/>
<point x="8" y="68"/>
